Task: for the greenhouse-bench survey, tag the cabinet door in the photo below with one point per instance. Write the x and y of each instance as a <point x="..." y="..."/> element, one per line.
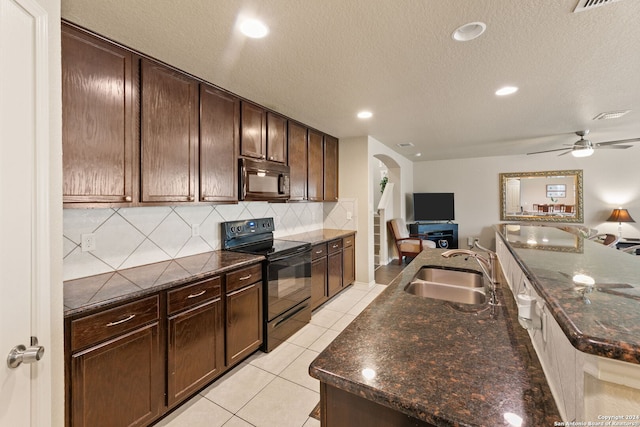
<point x="330" y="169"/>
<point x="169" y="134"/>
<point x="334" y="269"/>
<point x="348" y="264"/>
<point x="219" y="141"/>
<point x="276" y="138"/>
<point x="319" y="290"/>
<point x="253" y="136"/>
<point x="244" y="322"/>
<point x="315" y="167"/>
<point x="99" y="120"/>
<point x="297" y="147"/>
<point x="119" y="382"/>
<point x="195" y="349"/>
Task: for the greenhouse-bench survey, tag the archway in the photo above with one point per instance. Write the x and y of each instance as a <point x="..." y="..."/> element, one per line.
<point x="385" y="205"/>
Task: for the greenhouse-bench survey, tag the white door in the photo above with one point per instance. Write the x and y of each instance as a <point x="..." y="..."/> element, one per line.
<point x="24" y="229"/>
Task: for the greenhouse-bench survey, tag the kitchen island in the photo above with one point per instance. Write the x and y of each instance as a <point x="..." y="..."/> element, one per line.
<point x="415" y="361"/>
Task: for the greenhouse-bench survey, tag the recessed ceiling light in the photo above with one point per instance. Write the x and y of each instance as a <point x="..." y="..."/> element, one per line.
<point x="469" y="31"/>
<point x="365" y="114"/>
<point x="418" y="154"/>
<point x="507" y="90"/>
<point x="254" y="28"/>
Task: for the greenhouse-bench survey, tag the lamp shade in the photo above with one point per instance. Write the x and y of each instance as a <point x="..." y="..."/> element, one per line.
<point x="620" y="215"/>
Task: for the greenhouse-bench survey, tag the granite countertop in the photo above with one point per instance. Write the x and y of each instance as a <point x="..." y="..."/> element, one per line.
<point x="437" y="363"/>
<point x="609" y="326"/>
<point x="89" y="293"/>
<point x="319" y="236"/>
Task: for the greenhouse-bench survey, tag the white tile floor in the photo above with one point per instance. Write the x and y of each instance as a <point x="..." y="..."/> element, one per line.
<point x="275" y="389"/>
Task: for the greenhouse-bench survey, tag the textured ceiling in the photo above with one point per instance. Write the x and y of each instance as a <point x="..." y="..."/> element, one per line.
<point x="325" y="60"/>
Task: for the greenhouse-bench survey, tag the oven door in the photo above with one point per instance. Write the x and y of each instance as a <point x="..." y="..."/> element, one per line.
<point x="289" y="282"/>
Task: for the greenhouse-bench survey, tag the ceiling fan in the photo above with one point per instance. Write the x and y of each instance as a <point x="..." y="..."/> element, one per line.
<point x="584" y="147"/>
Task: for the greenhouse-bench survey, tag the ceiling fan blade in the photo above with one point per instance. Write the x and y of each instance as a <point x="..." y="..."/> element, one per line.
<point x="565" y="153"/>
<point x="549" y="151"/>
<point x="621" y="147"/>
<point x="620" y="141"/>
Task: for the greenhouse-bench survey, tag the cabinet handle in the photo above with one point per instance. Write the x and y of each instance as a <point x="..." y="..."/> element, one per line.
<point x="198" y="294"/>
<point x="191" y="198"/>
<point x="319" y="252"/>
<point x="334" y="246"/>
<point x="127" y="198"/>
<point x="245" y="277"/>
<point x="119" y="322"/>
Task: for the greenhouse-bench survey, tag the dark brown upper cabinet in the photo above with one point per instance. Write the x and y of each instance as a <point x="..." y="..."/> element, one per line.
<point x="315" y="192"/>
<point x="276" y="138"/>
<point x="169" y="134"/>
<point x="297" y="147"/>
<point x="219" y="142"/>
<point x="330" y="169"/>
<point x="253" y="132"/>
<point x="99" y="120"/>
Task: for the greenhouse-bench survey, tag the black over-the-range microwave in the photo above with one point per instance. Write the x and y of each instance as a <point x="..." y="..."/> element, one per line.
<point x="262" y="180"/>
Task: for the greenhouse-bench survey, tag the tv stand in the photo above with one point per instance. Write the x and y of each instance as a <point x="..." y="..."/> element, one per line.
<point x="444" y="235"/>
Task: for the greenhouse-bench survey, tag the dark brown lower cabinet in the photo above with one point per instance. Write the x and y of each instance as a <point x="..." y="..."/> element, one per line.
<point x="244" y="321"/>
<point x="196" y="349"/>
<point x="244" y="327"/>
<point x="119" y="382"/>
<point x="348" y="260"/>
<point x="339" y="408"/>
<point x="128" y="364"/>
<point x="319" y="290"/>
<point x="334" y="267"/>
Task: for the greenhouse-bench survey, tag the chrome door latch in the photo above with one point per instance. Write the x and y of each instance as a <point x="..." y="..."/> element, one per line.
<point x="21" y="354"/>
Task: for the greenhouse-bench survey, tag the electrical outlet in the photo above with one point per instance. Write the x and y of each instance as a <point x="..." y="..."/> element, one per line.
<point x="471" y="240"/>
<point x="195" y="230"/>
<point x="88" y="242"/>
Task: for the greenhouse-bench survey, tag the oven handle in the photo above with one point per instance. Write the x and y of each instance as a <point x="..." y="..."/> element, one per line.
<point x="297" y="252"/>
<point x="289" y="315"/>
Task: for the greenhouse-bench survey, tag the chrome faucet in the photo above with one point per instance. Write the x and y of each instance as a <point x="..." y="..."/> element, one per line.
<point x="487" y="264"/>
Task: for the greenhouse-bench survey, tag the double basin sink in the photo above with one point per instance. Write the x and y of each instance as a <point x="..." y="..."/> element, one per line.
<point x="455" y="285"/>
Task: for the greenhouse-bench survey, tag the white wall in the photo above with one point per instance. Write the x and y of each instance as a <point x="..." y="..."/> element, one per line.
<point x="610" y="180"/>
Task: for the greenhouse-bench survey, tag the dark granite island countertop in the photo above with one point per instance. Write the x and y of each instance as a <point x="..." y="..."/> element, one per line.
<point x="428" y="359"/>
<point x="89" y="293"/>
<point x="609" y="324"/>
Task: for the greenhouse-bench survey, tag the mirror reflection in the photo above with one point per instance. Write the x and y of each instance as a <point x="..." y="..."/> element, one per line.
<point x="541" y="196"/>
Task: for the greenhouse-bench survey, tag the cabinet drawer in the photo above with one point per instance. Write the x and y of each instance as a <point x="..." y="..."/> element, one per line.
<point x="243" y="277"/>
<point x="335" y="246"/>
<point x="348" y="241"/>
<point x="318" y="251"/>
<point x="192" y="295"/>
<point x="110" y="323"/>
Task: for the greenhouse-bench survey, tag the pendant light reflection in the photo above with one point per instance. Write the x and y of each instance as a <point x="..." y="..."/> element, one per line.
<point x="513" y="419"/>
<point x="368" y="373"/>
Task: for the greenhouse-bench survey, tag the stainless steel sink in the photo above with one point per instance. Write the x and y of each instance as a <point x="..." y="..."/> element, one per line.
<point x="458" y="277"/>
<point x="454" y="285"/>
<point x="453" y="293"/>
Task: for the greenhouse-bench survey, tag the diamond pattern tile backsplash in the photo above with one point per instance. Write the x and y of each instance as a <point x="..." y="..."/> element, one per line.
<point x="129" y="237"/>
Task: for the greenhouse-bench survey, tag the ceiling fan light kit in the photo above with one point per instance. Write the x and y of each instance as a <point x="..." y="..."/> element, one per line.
<point x="585" y="148"/>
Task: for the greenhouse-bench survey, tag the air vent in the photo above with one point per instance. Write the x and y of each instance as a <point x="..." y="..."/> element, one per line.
<point x="611" y="115"/>
<point x="590" y="4"/>
<point x="405" y="144"/>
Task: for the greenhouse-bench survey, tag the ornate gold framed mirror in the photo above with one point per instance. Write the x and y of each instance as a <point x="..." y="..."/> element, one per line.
<point x="546" y="196"/>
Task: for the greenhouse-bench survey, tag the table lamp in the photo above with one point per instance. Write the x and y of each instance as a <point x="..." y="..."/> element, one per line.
<point x="620" y="215"/>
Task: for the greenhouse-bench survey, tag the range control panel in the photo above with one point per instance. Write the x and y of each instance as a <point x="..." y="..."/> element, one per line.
<point x="246" y="227"/>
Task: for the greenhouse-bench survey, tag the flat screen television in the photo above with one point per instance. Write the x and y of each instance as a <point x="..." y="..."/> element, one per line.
<point x="433" y="207"/>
